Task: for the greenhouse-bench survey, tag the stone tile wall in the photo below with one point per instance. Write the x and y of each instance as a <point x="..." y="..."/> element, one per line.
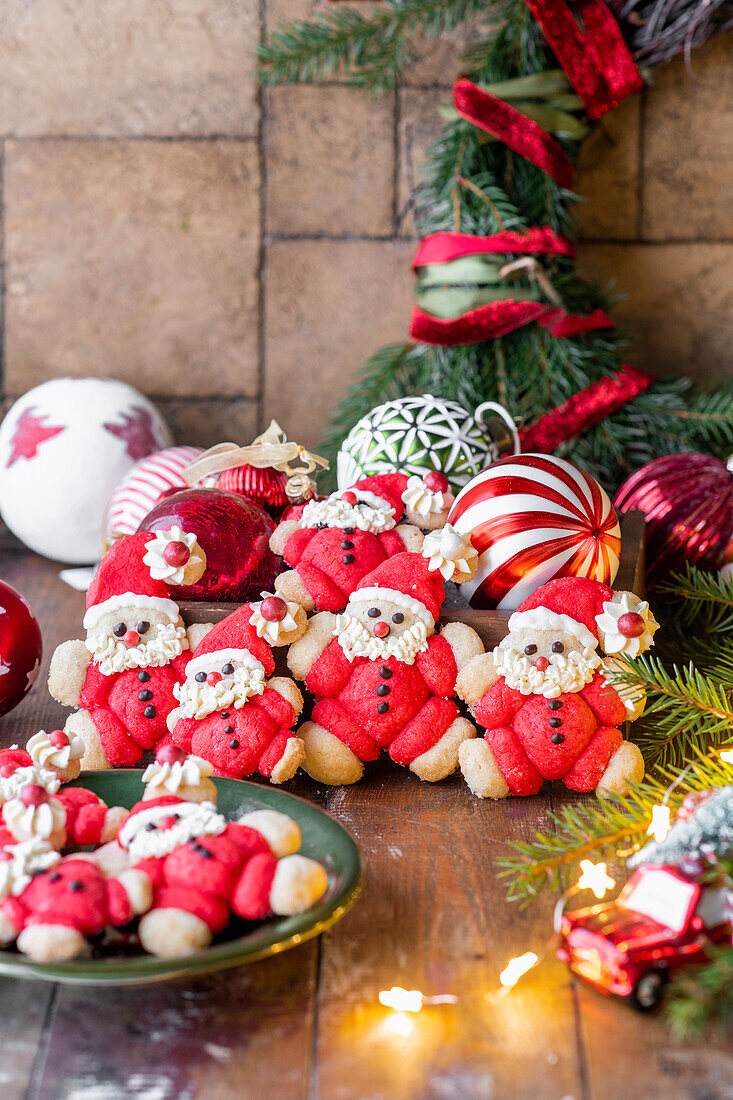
<point x="237" y="254"/>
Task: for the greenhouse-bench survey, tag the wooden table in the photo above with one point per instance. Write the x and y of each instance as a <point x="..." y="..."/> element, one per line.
<point x="307" y="1023"/>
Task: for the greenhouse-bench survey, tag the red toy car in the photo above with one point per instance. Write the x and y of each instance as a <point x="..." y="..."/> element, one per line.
<point x="661" y="920"/>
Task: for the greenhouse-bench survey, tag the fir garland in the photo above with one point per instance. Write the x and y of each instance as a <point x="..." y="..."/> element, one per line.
<point x="479" y="186"/>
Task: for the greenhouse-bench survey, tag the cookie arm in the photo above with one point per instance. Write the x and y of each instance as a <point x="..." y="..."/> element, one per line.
<point x="297" y="544"/>
<point x="437" y="666"/>
<point x="498" y="706"/>
<point x="329" y="673"/>
<point x="604" y="701"/>
<point x="96" y="689"/>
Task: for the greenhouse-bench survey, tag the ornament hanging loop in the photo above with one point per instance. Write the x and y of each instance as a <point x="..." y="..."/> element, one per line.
<point x="501" y="429"/>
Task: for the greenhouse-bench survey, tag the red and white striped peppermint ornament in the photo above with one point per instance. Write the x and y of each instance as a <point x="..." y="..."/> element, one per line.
<point x="141" y="489"/>
<point x="532" y="518"/>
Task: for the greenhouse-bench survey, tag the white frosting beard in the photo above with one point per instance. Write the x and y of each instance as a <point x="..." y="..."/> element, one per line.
<point x="27" y="859"/>
<point x="112" y="655"/>
<point x="195" y="819"/>
<point x="197" y="700"/>
<point x="356" y="640"/>
<point x="41" y="821"/>
<point x="565" y="673"/>
<point x="335" y="512"/>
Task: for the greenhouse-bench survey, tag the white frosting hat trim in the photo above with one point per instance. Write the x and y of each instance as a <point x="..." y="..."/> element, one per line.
<point x="221" y="656"/>
<point x="367" y="497"/>
<point x="128" y="599"/>
<point x="400" y="598"/>
<point x="541" y="618"/>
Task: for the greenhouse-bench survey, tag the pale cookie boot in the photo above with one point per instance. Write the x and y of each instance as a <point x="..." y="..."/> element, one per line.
<point x="480" y="769"/>
<point x="625" y="767"/>
<point x="328" y="760"/>
<point x="442" y="759"/>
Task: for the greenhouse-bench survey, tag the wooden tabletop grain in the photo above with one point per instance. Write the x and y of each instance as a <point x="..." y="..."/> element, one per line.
<point x="307" y="1024"/>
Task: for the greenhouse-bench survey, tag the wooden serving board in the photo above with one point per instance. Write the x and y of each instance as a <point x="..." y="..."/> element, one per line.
<point x="490" y="625"/>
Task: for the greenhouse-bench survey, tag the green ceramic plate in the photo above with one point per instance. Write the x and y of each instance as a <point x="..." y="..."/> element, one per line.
<point x="323" y="839"/>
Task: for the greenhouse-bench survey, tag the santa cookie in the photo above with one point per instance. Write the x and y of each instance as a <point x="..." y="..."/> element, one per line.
<point x="204" y="869"/>
<point x="382" y="677"/>
<point x="52" y="905"/>
<point x="543" y="699"/>
<point x="135" y="652"/>
<point x="231" y="710"/>
<point x="72" y="816"/>
<point x="48" y="760"/>
<point x="339" y="540"/>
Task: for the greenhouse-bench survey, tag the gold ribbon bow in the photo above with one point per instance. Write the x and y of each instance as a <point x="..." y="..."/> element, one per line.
<point x="268" y="450"/>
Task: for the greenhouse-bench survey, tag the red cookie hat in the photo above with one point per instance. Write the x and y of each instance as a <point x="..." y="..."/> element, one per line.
<point x="382" y="489"/>
<point x="569" y="605"/>
<point x="406" y="580"/>
<point x="234" y="638"/>
<point x="123" y="580"/>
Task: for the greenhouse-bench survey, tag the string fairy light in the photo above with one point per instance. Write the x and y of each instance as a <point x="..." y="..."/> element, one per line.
<point x="660" y="824"/>
<point x="516" y="967"/>
<point x="727" y="756"/>
<point x="595" y="877"/>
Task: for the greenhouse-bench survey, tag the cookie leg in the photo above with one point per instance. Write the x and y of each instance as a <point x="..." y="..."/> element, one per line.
<point x="170" y="933"/>
<point x="587" y="771"/>
<point x="480" y="769"/>
<point x="282" y="757"/>
<point x="428" y="744"/>
<point x="51" y="942"/>
<point x="120" y="749"/>
<point x="625" y="766"/>
<point x="95" y="759"/>
<point x="328" y="760"/>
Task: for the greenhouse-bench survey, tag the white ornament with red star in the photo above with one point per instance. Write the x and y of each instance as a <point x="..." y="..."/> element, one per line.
<point x="64" y="447"/>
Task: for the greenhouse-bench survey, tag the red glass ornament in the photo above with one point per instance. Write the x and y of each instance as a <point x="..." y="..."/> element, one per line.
<point x="234" y="534"/>
<point x="687" y="501"/>
<point x="21" y="647"/>
<point x="265" y="487"/>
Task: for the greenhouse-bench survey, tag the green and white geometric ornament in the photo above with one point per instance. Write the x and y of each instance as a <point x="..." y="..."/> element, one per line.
<point x="420" y="433"/>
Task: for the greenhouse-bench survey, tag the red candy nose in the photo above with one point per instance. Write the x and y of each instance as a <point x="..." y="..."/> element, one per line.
<point x="213" y="678"/>
<point x="349" y="498"/>
<point x="541" y="663"/>
<point x="167" y="822"/>
<point x="381" y="629"/>
<point x="170" y="754"/>
<point x="273" y="609"/>
<point x="436" y="482"/>
<point x="33" y="794"/>
<point x="131" y="637"/>
<point x="631" y="625"/>
<point x="58" y="739"/>
<point x="176" y="553"/>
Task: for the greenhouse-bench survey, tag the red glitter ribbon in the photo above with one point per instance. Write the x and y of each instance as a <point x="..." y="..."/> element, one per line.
<point x="583" y="410"/>
<point x="494" y="319"/>
<point x="520" y="133"/>
<point x="596" y="59"/>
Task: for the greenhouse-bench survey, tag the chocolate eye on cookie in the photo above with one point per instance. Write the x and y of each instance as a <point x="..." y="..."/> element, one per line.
<point x="200" y="677"/>
<point x="143" y="626"/>
<point x="120" y="630"/>
<point x="530" y="649"/>
<point x="558" y="647"/>
<point x="398" y="617"/>
<point x="374" y="612"/>
<point x="227" y="669"/>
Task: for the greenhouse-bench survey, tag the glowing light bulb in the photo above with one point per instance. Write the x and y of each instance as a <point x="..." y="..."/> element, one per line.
<point x="727" y="756"/>
<point x="595" y="878"/>
<point x="401" y="1000"/>
<point x="399" y="1023"/>
<point x="516" y="967"/>
<point x="660" y="824"/>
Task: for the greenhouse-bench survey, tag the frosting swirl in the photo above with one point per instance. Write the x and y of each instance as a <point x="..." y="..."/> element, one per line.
<point x="184" y="773"/>
<point x="43" y="752"/>
<point x="40" y="821"/>
<point x="375" y="516"/>
<point x="12" y="785"/>
<point x="161" y="570"/>
<point x="422" y="501"/>
<point x="22" y="861"/>
<point x="273" y="632"/>
<point x="612" y="640"/>
<point x="448" y="552"/>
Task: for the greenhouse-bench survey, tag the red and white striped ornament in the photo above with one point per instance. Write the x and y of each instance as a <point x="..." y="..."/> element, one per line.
<point x="141" y="489"/>
<point x="532" y="518"/>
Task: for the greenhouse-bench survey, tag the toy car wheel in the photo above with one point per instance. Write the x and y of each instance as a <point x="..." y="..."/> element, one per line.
<point x="649" y="990"/>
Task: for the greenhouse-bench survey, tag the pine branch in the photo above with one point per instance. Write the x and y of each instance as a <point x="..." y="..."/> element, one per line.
<point x="599" y="828"/>
<point x="687" y="712"/>
<point x="368" y="50"/>
<point x="702" y="598"/>
<point x="702" y="996"/>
